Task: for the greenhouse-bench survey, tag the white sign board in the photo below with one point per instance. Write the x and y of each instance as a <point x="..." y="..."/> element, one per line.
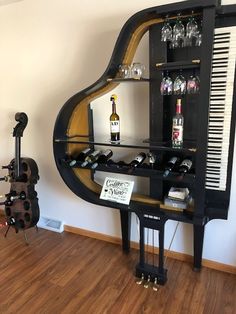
<point x="117" y="190"/>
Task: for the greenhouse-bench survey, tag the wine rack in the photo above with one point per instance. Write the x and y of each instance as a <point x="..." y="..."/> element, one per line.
<point x="74" y="130"/>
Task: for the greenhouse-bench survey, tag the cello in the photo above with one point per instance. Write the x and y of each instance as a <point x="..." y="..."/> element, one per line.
<point x="21" y="203"/>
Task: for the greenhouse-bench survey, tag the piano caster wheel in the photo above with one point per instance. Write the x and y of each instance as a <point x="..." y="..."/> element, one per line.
<point x="155" y="286"/>
<point x="139" y="282"/>
<point x="146" y="285"/>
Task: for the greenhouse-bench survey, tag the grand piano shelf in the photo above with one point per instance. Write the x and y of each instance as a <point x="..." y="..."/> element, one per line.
<point x="207" y="140"/>
<point x="189" y="147"/>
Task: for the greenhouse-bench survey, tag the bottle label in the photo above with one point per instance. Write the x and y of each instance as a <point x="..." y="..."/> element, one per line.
<point x="139" y="158"/>
<point x="186" y="163"/>
<point x="177" y="133"/>
<point x="107" y="152"/>
<point x="173" y="160"/>
<point x="86" y="150"/>
<point x="115" y="126"/>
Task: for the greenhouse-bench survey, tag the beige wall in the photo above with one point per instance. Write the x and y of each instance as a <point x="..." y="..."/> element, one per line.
<point x="50" y="50"/>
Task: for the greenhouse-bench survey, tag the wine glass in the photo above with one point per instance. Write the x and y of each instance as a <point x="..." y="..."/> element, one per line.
<point x="124" y="71"/>
<point x="166" y="31"/>
<point x="192" y="31"/>
<point x="137" y="70"/>
<point x="178" y="34"/>
<point x="198" y="41"/>
<point x="193" y="84"/>
<point x="179" y="86"/>
<point x="166" y="86"/>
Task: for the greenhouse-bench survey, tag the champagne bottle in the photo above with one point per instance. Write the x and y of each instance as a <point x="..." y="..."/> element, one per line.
<point x="177" y="126"/>
<point x="114" y="121"/>
<point x="90" y="159"/>
<point x="170" y="166"/>
<point x="80" y="157"/>
<point x="185" y="167"/>
<point x="103" y="158"/>
<point x="138" y="160"/>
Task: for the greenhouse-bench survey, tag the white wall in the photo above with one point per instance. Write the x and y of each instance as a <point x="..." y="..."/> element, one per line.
<point x="50" y="50"/>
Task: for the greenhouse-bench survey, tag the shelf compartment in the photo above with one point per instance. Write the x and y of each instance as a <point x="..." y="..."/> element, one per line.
<point x="179" y="65"/>
<point x="189" y="147"/>
<point x="142" y="171"/>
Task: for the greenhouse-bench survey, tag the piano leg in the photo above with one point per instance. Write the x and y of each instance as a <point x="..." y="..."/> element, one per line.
<point x="198" y="246"/>
<point x="125" y="219"/>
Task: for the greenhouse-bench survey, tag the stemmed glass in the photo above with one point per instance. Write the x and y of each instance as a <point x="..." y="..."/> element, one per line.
<point x="192" y="31"/>
<point x="124" y="71"/>
<point x="199" y="36"/>
<point x="178" y="34"/>
<point x="193" y="84"/>
<point x="179" y="86"/>
<point x="166" y="31"/>
<point x="166" y="87"/>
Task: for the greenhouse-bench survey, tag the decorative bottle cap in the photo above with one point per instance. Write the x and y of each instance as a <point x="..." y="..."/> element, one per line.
<point x="113" y="97"/>
<point x="178" y="106"/>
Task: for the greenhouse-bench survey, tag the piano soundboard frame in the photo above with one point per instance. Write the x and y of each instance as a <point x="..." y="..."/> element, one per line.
<point x="73" y="129"/>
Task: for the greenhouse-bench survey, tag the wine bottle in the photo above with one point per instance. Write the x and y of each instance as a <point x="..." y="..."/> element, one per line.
<point x="21" y="196"/>
<point x="80" y="157"/>
<point x="152" y="159"/>
<point x="5" y="178"/>
<point x="185" y="167"/>
<point x="103" y="158"/>
<point x="170" y="166"/>
<point x="138" y="160"/>
<point x="90" y="159"/>
<point x="114" y="121"/>
<point x="177" y="126"/>
<point x="7" y="202"/>
<point x="9" y="167"/>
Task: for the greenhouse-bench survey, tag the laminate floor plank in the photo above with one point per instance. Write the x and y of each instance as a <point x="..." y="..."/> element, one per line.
<point x="67" y="273"/>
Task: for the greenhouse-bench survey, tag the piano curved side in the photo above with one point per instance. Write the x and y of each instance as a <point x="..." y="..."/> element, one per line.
<point x="73" y="117"/>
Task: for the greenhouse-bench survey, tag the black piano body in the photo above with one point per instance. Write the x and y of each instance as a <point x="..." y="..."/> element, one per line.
<point x="208" y="134"/>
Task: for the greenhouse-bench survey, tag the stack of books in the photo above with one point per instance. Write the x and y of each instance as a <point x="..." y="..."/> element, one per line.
<point x="178" y="198"/>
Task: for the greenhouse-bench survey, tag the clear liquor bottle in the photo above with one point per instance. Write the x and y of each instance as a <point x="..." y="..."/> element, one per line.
<point x="178" y="126"/>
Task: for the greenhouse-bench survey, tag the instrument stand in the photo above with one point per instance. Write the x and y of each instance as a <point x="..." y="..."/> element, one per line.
<point x="144" y="270"/>
<point x="24" y="232"/>
<point x="8" y="228"/>
<point x="26" y="238"/>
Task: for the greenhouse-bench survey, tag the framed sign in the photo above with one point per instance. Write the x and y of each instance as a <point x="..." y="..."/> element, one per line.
<point x="117" y="190"/>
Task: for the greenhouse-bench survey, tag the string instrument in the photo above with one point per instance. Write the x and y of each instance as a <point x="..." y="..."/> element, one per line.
<point x="21" y="204"/>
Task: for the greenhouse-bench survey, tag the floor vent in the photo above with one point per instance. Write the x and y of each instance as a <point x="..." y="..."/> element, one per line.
<point x="51" y="224"/>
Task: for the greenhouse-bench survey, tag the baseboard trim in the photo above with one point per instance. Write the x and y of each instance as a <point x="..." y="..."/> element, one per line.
<point x="175" y="255"/>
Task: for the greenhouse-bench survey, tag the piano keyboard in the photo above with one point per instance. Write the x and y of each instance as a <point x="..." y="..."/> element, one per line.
<point x="220" y="110"/>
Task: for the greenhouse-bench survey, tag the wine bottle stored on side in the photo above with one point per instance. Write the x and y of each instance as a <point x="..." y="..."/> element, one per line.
<point x="5" y="178"/>
<point x="90" y="159"/>
<point x="103" y="158"/>
<point x="170" y="166"/>
<point x="114" y="121"/>
<point x="178" y="126"/>
<point x="9" y="167"/>
<point x="138" y="160"/>
<point x="80" y="157"/>
<point x="21" y="196"/>
<point x="185" y="167"/>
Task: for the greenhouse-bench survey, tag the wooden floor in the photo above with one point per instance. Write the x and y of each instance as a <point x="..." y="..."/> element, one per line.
<point x="68" y="273"/>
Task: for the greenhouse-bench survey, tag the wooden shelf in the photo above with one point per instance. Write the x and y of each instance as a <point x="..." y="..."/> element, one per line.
<point x="132" y="80"/>
<point x="179" y="65"/>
